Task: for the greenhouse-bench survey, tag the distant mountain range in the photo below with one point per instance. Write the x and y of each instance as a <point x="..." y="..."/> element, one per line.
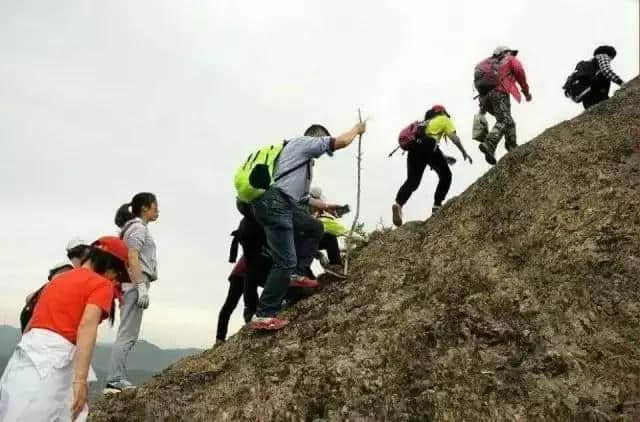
<point x="145" y="360"/>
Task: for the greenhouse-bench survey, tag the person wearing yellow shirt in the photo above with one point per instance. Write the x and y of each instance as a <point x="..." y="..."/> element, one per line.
<point x="425" y="151"/>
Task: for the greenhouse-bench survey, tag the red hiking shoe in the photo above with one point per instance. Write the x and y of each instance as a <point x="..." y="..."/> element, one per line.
<point x="300" y="281"/>
<point x="267" y="323"/>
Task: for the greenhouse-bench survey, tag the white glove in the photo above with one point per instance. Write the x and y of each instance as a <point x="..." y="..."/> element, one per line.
<point x="143" y="295"/>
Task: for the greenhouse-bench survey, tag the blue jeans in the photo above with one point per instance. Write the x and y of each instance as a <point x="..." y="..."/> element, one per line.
<point x="292" y="236"/>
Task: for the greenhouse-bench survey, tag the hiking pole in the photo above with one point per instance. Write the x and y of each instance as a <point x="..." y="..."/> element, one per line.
<point x="355" y="218"/>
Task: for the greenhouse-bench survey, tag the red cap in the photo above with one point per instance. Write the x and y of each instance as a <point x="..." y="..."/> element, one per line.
<point x="439" y="108"/>
<point x="115" y="246"/>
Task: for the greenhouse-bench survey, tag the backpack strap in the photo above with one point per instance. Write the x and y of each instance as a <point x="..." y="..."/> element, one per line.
<point x="126" y="227"/>
<point x="291" y="170"/>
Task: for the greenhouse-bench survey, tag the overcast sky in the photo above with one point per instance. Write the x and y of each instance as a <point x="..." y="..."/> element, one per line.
<point x="103" y="99"/>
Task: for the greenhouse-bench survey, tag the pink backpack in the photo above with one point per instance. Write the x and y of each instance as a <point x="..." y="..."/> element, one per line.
<point x="408" y="136"/>
<point x="486" y="75"/>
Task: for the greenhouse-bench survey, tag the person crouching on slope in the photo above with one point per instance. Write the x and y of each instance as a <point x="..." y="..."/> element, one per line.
<point x="327" y="214"/>
<point x="495" y="79"/>
<point x="46" y="377"/>
<point x="143" y="270"/>
<point x="292" y="233"/>
<point x="425" y="151"/>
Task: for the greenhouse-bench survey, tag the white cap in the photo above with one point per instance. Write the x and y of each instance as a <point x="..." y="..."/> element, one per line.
<point x="77" y="241"/>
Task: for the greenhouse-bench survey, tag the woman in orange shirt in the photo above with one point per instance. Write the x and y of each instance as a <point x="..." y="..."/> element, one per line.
<point x="46" y="377"/>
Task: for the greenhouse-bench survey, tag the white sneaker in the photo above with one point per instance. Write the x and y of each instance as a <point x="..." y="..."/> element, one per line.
<point x="324" y="261"/>
<point x="118" y="387"/>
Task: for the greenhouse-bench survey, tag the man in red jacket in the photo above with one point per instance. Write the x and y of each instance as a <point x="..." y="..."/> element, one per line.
<point x="497" y="101"/>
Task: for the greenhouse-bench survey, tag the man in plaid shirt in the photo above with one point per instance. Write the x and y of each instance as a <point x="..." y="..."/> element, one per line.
<point x="602" y="82"/>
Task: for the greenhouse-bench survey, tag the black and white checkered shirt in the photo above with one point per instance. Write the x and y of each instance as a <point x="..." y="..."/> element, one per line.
<point x="604" y="63"/>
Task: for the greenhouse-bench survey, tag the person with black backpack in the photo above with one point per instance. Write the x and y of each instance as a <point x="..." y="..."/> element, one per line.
<point x="250" y="271"/>
<point x="421" y="140"/>
<point x="496" y="79"/>
<point x="591" y="81"/>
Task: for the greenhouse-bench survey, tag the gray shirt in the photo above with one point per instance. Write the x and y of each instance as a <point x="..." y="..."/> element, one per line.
<point x="297" y="151"/>
<point x="137" y="236"/>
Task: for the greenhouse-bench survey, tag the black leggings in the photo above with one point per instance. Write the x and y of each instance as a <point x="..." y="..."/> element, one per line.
<point x="329" y="243"/>
<point x="420" y="155"/>
<point x="594" y="98"/>
<point x="236" y="286"/>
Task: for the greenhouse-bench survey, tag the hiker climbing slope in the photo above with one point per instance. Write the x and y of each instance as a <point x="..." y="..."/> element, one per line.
<point x="591" y="81"/>
<point x="496" y="78"/>
<point x="329" y="214"/>
<point x="236" y="290"/>
<point x="276" y="180"/>
<point x="250" y="235"/>
<point x="421" y="140"/>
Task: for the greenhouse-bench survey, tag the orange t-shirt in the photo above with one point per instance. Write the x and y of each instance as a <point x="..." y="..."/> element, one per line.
<point x="62" y="302"/>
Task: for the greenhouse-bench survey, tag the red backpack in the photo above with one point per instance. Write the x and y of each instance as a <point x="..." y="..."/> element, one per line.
<point x="408" y="136"/>
<point x="486" y="75"/>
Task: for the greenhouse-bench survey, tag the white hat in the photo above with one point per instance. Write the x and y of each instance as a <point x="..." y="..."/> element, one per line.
<point x="316" y="193"/>
<point x="77" y="241"/>
<point x="501" y="49"/>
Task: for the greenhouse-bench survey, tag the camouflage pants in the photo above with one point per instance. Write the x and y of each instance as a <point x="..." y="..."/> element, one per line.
<point x="498" y="104"/>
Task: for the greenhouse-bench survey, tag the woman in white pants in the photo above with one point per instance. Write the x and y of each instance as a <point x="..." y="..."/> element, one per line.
<point x="46" y="377"/>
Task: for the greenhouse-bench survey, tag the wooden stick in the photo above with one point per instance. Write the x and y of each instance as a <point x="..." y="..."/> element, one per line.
<point x="355" y="219"/>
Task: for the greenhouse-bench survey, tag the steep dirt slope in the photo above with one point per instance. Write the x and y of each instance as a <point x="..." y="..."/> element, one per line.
<point x="520" y="300"/>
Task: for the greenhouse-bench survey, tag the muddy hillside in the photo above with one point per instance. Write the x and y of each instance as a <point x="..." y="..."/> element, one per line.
<point x="520" y="300"/>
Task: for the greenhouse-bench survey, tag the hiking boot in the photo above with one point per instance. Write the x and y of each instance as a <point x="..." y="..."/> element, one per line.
<point x="397" y="215"/>
<point x="267" y="323"/>
<point x="335" y="270"/>
<point x="116" y="387"/>
<point x="488" y="154"/>
<point x="300" y="281"/>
